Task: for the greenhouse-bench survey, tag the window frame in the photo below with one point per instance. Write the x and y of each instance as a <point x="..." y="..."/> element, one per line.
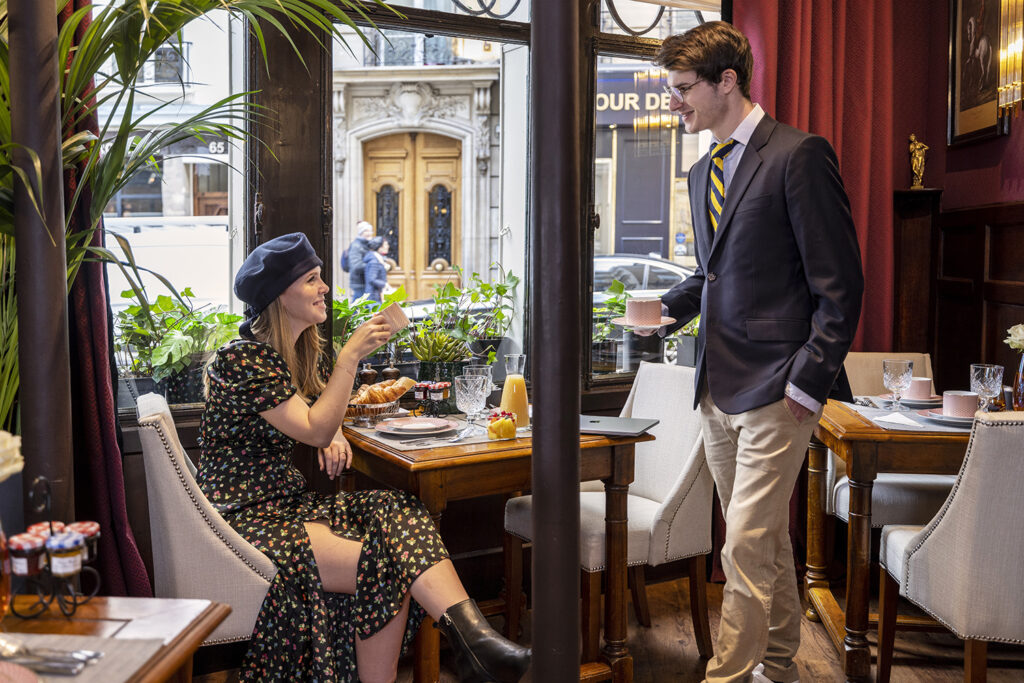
<point x="594" y="44"/>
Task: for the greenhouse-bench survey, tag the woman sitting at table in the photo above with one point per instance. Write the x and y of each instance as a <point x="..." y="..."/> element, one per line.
<point x="356" y="571"/>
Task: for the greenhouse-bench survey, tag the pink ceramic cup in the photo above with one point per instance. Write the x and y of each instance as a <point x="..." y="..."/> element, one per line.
<point x="396" y="317"/>
<point x="643" y="311"/>
<point x="920" y="388"/>
<point x="959" y="403"/>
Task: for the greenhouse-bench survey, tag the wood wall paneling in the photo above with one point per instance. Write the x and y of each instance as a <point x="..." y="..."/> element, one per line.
<point x="979" y="291"/>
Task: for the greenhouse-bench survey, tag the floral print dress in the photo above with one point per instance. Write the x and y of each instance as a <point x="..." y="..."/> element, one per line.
<point x="303" y="632"/>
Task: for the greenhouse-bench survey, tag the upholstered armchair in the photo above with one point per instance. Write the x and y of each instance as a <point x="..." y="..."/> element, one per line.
<point x="196" y="554"/>
<point x="895" y="498"/>
<point x="669" y="509"/>
<point x="965" y="567"/>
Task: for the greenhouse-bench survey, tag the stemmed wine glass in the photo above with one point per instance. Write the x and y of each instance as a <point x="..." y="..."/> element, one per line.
<point x="986" y="382"/>
<point x="484" y="371"/>
<point x="896" y="375"/>
<point x="471" y="393"/>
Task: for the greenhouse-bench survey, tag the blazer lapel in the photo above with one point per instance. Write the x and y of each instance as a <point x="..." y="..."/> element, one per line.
<point x="701" y="221"/>
<point x="749" y="163"/>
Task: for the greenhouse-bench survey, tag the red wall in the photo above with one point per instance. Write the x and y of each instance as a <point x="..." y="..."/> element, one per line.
<point x="974" y="174"/>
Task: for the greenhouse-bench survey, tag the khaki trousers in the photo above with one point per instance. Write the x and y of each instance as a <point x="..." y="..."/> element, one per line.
<point x="755" y="458"/>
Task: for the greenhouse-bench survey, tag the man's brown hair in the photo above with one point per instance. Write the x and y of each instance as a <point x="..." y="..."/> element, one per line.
<point x="708" y="50"/>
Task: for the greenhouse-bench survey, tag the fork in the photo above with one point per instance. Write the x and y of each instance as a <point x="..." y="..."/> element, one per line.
<point x="441" y="439"/>
<point x="12" y="649"/>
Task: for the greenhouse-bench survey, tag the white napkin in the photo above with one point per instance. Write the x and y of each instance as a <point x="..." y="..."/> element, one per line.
<point x="897" y="418"/>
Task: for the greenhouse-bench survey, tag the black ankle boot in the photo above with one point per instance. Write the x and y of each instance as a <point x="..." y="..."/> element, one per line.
<point x="482" y="655"/>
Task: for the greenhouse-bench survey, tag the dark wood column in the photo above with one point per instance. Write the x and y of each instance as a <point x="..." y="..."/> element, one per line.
<point x="41" y="278"/>
<point x="916" y="238"/>
<point x="289" y="172"/>
<point x="556" y="177"/>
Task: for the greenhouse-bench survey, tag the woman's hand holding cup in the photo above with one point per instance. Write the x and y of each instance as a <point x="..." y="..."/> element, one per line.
<point x="369" y="336"/>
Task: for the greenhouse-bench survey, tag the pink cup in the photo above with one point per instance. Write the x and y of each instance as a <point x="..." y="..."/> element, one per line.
<point x="920" y="388"/>
<point x="959" y="403"/>
<point x="396" y="317"/>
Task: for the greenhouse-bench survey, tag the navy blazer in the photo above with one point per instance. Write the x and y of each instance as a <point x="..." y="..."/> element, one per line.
<point x="779" y="285"/>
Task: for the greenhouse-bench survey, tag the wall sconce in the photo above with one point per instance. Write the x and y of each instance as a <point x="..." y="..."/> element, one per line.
<point x="1011" y="50"/>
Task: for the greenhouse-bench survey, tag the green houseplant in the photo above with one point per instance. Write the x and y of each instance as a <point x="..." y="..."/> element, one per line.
<point x="467" y="320"/>
<point x="126" y="33"/>
<point x="167" y="338"/>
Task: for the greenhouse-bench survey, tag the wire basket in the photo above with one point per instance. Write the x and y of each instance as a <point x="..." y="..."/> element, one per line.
<point x="369" y="414"/>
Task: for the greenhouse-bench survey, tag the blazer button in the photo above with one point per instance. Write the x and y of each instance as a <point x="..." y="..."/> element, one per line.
<point x="712" y="277"/>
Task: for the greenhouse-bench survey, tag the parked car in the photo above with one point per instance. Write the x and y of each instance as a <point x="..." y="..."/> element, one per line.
<point x="642" y="275"/>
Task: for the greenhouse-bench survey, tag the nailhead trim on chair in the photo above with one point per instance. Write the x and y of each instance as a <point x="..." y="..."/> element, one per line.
<point x="700" y="469"/>
<point x="177" y="468"/>
<point x="935" y="521"/>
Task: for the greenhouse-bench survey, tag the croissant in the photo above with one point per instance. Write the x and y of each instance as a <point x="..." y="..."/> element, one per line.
<point x="402" y="385"/>
<point x="360" y="395"/>
<point x="377" y="394"/>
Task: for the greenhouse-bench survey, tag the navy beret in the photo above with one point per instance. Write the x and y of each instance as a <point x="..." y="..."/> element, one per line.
<point x="270" y="269"/>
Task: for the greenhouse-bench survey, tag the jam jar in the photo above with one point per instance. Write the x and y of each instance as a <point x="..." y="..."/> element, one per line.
<point x="28" y="554"/>
<point x="65" y="551"/>
<point x="43" y="528"/>
<point x="91" y="532"/>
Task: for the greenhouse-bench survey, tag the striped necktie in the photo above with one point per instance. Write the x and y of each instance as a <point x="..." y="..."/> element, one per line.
<point x="716" y="193"/>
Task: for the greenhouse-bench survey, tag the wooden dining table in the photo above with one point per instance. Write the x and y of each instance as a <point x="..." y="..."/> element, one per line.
<point x="461" y="471"/>
<point x="182" y="625"/>
<point x="867" y="450"/>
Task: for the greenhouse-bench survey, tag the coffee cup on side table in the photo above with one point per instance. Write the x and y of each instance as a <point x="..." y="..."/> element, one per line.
<point x="959" y="403"/>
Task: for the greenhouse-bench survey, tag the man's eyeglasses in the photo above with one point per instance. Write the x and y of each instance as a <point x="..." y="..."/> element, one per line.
<point x="680" y="92"/>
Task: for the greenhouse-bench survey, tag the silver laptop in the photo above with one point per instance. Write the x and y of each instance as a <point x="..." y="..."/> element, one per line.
<point x="615" y="426"/>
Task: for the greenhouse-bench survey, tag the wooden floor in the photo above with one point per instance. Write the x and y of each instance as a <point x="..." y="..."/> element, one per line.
<point x="667" y="652"/>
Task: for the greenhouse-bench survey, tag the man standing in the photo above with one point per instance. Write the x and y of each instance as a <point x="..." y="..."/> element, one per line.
<point x="352" y="259"/>
<point x="778" y="285"/>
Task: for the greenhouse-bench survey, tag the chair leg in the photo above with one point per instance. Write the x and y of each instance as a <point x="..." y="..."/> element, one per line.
<point x="888" y="596"/>
<point x="975" y="661"/>
<point x="513" y="547"/>
<point x="638" y="591"/>
<point x="699" y="605"/>
<point x="590" y="614"/>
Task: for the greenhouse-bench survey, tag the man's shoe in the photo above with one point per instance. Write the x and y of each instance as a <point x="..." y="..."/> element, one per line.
<point x="759" y="677"/>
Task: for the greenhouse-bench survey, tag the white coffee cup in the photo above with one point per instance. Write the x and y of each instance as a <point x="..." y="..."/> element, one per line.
<point x="920" y="388"/>
<point x="959" y="403"/>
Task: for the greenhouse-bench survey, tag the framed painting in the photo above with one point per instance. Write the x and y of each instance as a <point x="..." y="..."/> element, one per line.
<point x="974" y="71"/>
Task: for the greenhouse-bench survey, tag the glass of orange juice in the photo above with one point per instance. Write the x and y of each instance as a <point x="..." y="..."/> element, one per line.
<point x="513" y="395"/>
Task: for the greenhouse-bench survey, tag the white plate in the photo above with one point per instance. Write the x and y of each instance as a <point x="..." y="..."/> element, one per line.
<point x="933" y="402"/>
<point x="416" y="426"/>
<point x="949" y="420"/>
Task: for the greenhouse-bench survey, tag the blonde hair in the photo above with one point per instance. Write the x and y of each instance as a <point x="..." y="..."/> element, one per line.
<point x="302" y="358"/>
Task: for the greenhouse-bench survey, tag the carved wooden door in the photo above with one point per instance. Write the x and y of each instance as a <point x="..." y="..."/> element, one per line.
<point x="412" y="195"/>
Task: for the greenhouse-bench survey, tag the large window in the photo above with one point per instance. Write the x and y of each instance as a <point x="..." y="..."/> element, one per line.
<point x="644" y="245"/>
<point x="430" y="147"/>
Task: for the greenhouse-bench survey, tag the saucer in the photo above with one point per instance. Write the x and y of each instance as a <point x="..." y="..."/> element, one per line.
<point x="621" y="322"/>
<point x="932" y="402"/>
<point x="950" y="420"/>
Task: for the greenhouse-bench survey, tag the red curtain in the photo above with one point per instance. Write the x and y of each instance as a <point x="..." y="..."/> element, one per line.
<point x="99" y="478"/>
<point x="826" y="67"/>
